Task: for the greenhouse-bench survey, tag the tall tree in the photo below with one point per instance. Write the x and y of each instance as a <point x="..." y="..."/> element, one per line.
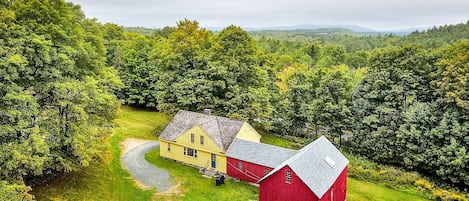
<point x="244" y="86"/>
<point x="179" y="60"/>
<point x="396" y="78"/>
<point x="55" y="90"/>
<point x="135" y="71"/>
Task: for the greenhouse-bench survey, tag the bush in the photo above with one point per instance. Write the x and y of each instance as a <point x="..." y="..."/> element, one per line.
<point x="363" y="169"/>
<point x="14" y="192"/>
<point x="444" y="195"/>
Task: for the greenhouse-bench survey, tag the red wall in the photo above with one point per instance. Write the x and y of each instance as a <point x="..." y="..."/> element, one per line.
<point x="253" y="170"/>
<point x="274" y="188"/>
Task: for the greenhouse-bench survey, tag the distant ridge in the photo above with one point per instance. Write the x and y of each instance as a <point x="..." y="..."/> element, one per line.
<point x="347" y="29"/>
<point x="354" y="28"/>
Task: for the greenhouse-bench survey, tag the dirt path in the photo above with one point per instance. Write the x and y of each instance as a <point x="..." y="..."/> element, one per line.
<point x="146" y="174"/>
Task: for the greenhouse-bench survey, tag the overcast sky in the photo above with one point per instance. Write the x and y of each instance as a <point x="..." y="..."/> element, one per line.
<point x="375" y="14"/>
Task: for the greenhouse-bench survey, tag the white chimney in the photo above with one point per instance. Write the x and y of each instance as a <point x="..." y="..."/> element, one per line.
<point x="208" y="111"/>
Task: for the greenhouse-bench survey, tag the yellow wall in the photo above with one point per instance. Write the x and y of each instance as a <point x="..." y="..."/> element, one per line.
<point x="248" y="133"/>
<point x="203" y="157"/>
<point x="209" y="145"/>
<point x="204" y="151"/>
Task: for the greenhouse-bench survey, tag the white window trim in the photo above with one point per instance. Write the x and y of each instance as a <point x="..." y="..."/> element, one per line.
<point x="288" y="177"/>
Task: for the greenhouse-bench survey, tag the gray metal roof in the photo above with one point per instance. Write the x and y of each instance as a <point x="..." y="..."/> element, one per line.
<point x="318" y="165"/>
<point x="259" y="153"/>
<point x="221" y="130"/>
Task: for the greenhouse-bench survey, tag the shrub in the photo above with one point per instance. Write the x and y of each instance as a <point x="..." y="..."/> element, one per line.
<point x="363" y="169"/>
<point x="444" y="195"/>
<point x="14" y="192"/>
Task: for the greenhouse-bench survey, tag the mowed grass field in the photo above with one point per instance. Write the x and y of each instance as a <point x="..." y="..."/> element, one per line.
<point x="109" y="181"/>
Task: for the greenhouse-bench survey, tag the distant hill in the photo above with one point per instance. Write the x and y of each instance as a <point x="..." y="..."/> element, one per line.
<point x="141" y="30"/>
<point x="353" y="28"/>
<point x="331" y="32"/>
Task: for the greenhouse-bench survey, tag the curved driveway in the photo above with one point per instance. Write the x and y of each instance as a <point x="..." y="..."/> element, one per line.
<point x="146" y="173"/>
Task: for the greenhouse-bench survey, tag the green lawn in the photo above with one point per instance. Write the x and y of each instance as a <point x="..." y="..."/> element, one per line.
<point x="197" y="188"/>
<point x="274" y="140"/>
<point x="109" y="181"/>
<point x="366" y="191"/>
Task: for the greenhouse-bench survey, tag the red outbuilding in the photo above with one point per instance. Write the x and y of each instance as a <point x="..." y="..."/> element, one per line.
<point x="316" y="172"/>
<point x="250" y="161"/>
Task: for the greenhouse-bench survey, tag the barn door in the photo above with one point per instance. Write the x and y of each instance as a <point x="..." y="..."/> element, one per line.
<point x="214" y="161"/>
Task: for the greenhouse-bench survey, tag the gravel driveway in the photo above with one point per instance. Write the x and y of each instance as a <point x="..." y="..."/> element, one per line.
<point x="146" y="173"/>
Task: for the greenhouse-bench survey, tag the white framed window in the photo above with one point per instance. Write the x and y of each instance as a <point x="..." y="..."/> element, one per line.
<point x="288" y="176"/>
<point x="240" y="165"/>
<point x="190" y="152"/>
<point x="192" y="137"/>
<point x="202" y="139"/>
<point x="169" y="147"/>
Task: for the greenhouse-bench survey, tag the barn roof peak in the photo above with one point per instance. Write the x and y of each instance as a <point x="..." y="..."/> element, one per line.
<point x="318" y="165"/>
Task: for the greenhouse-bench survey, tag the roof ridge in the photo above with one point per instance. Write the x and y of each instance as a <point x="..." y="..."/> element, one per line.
<point x="265" y="144"/>
<point x="219" y="133"/>
<point x="293" y="158"/>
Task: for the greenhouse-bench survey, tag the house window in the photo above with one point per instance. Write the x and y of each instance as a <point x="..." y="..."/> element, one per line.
<point x="192" y="137"/>
<point x="288" y="177"/>
<point x="201" y="139"/>
<point x="267" y="170"/>
<point x="240" y="165"/>
<point x="190" y="152"/>
<point x="169" y="147"/>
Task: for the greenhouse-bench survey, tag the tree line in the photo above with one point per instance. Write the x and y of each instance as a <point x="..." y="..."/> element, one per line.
<point x="63" y="77"/>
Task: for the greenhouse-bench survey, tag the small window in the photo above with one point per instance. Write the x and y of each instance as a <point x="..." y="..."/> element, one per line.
<point x="267" y="170"/>
<point x="288" y="177"/>
<point x="190" y="152"/>
<point x="201" y="139"/>
<point x="192" y="137"/>
<point x="330" y="162"/>
<point x="169" y="147"/>
<point x="240" y="165"/>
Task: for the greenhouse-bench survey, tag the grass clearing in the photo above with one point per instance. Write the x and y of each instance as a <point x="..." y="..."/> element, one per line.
<point x="367" y="191"/>
<point x="197" y="188"/>
<point x="274" y="140"/>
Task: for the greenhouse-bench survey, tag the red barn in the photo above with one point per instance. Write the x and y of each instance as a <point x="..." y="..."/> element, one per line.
<point x="316" y="172"/>
<point x="250" y="161"/>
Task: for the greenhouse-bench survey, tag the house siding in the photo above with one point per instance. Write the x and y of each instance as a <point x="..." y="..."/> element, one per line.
<point x="203" y="157"/>
<point x="204" y="151"/>
<point x="274" y="188"/>
<point x="248" y="133"/>
<point x="208" y="146"/>
<point x="251" y="172"/>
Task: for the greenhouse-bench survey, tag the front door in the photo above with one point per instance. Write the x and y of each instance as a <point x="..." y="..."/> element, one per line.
<point x="214" y="161"/>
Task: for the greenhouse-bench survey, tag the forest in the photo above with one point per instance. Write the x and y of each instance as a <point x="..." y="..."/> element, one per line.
<point x="397" y="100"/>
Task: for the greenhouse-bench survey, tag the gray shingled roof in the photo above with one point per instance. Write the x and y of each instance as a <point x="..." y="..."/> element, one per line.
<point x="221" y="130"/>
<point x="310" y="165"/>
<point x="259" y="153"/>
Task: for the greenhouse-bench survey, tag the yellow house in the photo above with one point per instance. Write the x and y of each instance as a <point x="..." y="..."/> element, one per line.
<point x="202" y="139"/>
